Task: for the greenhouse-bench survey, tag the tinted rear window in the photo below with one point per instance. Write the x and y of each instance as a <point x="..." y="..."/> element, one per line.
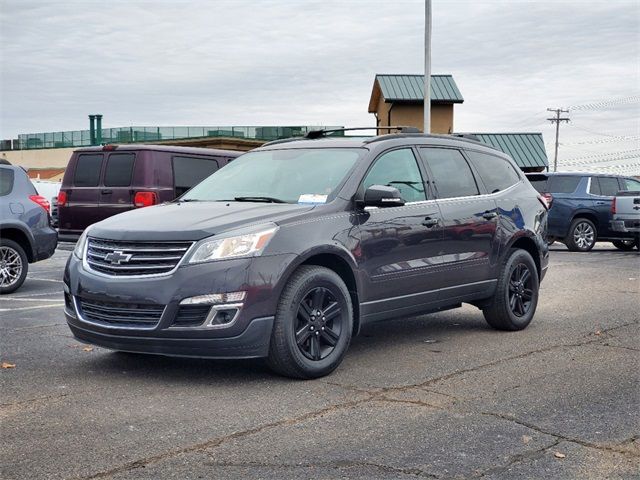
<point x="188" y="171"/>
<point x="88" y="168"/>
<point x="564" y="183"/>
<point x="119" y="169"/>
<point x="6" y="181"/>
<point x="496" y="173"/>
<point x="539" y="182"/>
<point x="451" y="172"/>
<point x="609" y="186"/>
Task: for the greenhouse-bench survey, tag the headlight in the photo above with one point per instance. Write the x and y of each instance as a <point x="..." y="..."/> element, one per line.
<point x="78" y="251"/>
<point x="249" y="244"/>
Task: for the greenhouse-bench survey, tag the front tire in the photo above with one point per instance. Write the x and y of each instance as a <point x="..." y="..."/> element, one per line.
<point x="14" y="265"/>
<point x="516" y="297"/>
<point x="625" y="245"/>
<point x="313" y="324"/>
<point x="582" y="235"/>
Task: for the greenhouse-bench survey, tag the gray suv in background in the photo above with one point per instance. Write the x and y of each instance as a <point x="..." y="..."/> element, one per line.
<point x="26" y="235"/>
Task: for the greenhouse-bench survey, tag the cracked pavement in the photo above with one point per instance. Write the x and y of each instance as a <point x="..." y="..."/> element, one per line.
<point x="438" y="396"/>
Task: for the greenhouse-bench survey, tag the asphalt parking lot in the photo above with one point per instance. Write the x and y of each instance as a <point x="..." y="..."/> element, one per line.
<point x="439" y="396"/>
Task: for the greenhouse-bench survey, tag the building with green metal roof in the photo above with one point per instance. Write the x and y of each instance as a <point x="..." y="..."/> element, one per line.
<point x="399" y="100"/>
<point x="527" y="149"/>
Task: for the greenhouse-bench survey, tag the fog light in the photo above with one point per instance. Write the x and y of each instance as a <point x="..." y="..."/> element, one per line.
<point x="222" y="317"/>
<point x="214" y="298"/>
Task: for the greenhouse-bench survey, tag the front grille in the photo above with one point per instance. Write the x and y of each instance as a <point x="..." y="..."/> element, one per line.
<point x="130" y="315"/>
<point x="120" y="258"/>
<point x="191" y="315"/>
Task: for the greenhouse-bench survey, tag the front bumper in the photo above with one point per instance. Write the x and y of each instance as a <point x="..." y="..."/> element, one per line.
<point x="626" y="226"/>
<point x="247" y="336"/>
<point x="252" y="343"/>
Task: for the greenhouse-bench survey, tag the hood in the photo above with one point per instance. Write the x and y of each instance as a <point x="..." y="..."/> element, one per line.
<point x="191" y="221"/>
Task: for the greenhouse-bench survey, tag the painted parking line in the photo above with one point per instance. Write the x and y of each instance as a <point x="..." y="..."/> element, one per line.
<point x="37" y="294"/>
<point x="31" y="308"/>
<point x="24" y="299"/>
<point x="44" y="279"/>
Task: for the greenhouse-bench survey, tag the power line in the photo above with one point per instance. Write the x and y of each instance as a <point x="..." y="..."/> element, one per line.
<point x="557" y="121"/>
<point x="607" y="103"/>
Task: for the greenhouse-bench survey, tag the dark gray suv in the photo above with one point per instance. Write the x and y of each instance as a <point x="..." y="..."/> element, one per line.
<point x="26" y="235"/>
<point x="289" y="250"/>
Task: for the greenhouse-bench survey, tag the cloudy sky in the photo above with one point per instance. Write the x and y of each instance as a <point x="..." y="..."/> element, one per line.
<point x="300" y="62"/>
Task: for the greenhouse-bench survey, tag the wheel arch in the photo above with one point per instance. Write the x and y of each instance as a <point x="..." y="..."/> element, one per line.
<point x="339" y="261"/>
<point x="528" y="244"/>
<point x="21" y="237"/>
<point x="589" y="215"/>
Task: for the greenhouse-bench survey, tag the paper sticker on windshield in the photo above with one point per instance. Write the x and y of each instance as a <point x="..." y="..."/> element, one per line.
<point x="312" y="199"/>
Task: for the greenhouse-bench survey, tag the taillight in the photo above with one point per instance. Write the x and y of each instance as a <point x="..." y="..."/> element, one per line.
<point x="62" y="199"/>
<point x="613" y="206"/>
<point x="40" y="200"/>
<point x="546" y="199"/>
<point x="145" y="199"/>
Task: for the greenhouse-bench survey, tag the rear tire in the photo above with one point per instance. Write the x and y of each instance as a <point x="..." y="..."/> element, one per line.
<point x="625" y="245"/>
<point x="516" y="297"/>
<point x="582" y="235"/>
<point x="14" y="265"/>
<point x="313" y="324"/>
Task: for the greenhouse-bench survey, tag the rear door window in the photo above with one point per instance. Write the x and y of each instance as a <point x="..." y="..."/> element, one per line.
<point x="564" y="183"/>
<point x="88" y="167"/>
<point x="496" y="173"/>
<point x="119" y="169"/>
<point x="451" y="172"/>
<point x="609" y="186"/>
<point x="631" y="185"/>
<point x="189" y="171"/>
<point x="6" y="181"/>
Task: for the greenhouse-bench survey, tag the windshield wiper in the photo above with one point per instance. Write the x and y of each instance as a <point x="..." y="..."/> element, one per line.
<point x="259" y="199"/>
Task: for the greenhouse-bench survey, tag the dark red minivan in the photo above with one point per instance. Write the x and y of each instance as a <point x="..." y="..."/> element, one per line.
<point x="106" y="180"/>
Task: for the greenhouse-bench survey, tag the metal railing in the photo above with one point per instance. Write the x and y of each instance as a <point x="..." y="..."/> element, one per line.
<point x="140" y="134"/>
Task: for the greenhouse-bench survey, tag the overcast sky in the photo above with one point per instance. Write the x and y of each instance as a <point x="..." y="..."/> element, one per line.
<point x="313" y="63"/>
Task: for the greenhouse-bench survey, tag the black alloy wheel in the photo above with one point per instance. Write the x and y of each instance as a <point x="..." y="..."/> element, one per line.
<point x="516" y="297"/>
<point x="520" y="290"/>
<point x="319" y="323"/>
<point x="313" y="324"/>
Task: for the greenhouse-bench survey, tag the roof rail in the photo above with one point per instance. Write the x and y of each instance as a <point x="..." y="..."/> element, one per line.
<point x="312" y="134"/>
<point x="468" y="136"/>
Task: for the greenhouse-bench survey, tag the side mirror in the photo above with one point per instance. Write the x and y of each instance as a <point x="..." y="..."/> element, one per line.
<point x="382" y="196"/>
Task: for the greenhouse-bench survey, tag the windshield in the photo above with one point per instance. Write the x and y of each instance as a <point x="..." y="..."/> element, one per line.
<point x="291" y="176"/>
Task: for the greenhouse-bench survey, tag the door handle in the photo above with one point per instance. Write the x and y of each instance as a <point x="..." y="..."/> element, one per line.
<point x="430" y="222"/>
<point x="106" y="192"/>
<point x="489" y="215"/>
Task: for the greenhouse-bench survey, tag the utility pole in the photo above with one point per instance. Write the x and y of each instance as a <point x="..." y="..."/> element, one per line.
<point x="427" y="67"/>
<point x="557" y="120"/>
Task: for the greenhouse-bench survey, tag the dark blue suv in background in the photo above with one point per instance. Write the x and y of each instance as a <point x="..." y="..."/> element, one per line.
<point x="581" y="208"/>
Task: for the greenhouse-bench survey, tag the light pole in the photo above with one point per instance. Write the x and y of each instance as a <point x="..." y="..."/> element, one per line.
<point x="427" y="67"/>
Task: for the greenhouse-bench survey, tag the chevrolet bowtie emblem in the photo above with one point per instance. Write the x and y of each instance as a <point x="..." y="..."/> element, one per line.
<point x="117" y="257"/>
